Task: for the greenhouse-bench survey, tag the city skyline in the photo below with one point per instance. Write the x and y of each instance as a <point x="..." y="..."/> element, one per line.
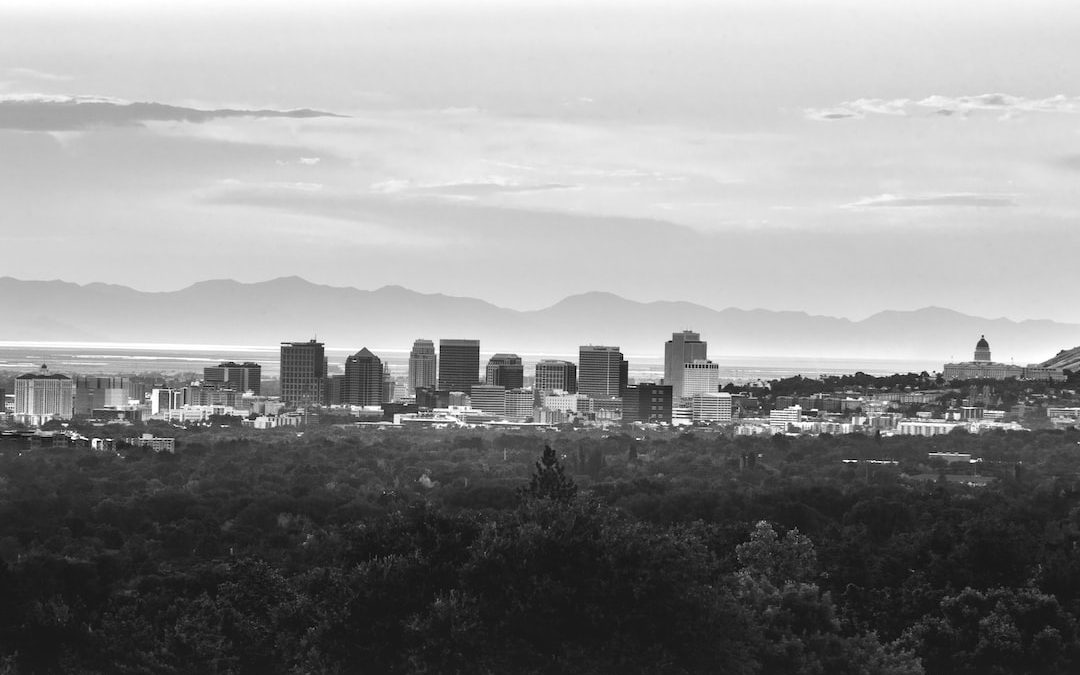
<point x="416" y="143"/>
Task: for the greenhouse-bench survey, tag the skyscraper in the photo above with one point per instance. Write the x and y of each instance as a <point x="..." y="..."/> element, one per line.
<point x="459" y="364"/>
<point x="363" y="383"/>
<point x="422" y="365"/>
<point x="303" y="373"/>
<point x="682" y="348"/>
<point x="552" y="375"/>
<point x="240" y="377"/>
<point x="505" y="370"/>
<point x="601" y="373"/>
<point x="700" y="376"/>
<point x="42" y="396"/>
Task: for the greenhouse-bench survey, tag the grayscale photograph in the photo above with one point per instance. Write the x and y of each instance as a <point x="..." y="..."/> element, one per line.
<point x="541" y="337"/>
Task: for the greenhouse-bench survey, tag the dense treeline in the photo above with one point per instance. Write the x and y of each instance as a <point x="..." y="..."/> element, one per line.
<point x="384" y="551"/>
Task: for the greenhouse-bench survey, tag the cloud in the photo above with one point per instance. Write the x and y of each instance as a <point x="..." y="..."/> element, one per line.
<point x="958" y="199"/>
<point x="34" y="74"/>
<point x="43" y="112"/>
<point x="1006" y="105"/>
<point x="465" y="189"/>
<point x="487" y="226"/>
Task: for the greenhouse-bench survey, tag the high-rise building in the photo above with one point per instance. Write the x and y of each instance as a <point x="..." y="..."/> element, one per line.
<point x="42" y="396"/>
<point x="554" y="375"/>
<point x="684" y="347"/>
<point x="303" y="373"/>
<point x="422" y="366"/>
<point x="93" y="392"/>
<point x="491" y="398"/>
<point x="601" y="373"/>
<point x="459" y="364"/>
<point x="240" y="377"/>
<point x="505" y="370"/>
<point x="389" y="386"/>
<point x="699" y="376"/>
<point x="335" y="389"/>
<point x="363" y="383"/>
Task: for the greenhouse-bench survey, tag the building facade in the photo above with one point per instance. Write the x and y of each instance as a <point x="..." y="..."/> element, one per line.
<point x="699" y="377"/>
<point x="519" y="404"/>
<point x="601" y="371"/>
<point x="491" y="398"/>
<point x="303" y="373"/>
<point x="647" y="402"/>
<point x="42" y="396"/>
<point x="240" y="377"/>
<point x="363" y="383"/>
<point x="711" y="407"/>
<point x="552" y="375"/>
<point x="459" y="364"/>
<point x="982" y="368"/>
<point x="505" y="370"/>
<point x="683" y="347"/>
<point x="423" y="366"/>
<point x="99" y="392"/>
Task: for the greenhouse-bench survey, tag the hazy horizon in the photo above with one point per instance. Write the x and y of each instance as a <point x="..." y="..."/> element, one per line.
<point x="836" y="157"/>
<point x="856" y="319"/>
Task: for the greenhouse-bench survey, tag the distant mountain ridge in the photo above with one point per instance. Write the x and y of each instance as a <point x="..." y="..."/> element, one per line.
<point x="291" y="308"/>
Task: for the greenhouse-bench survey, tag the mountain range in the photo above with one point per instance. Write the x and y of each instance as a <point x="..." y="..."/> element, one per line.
<point x="290" y="308"/>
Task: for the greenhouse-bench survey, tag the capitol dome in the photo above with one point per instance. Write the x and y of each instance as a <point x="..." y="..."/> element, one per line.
<point x="982" y="349"/>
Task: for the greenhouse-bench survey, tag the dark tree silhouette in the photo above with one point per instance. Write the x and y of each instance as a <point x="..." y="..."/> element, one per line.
<point x="549" y="480"/>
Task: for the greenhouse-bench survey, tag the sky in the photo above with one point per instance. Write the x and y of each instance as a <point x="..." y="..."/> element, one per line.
<point x="835" y="157"/>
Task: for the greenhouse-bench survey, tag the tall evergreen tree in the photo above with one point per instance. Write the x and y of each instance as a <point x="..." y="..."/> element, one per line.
<point x="549" y="481"/>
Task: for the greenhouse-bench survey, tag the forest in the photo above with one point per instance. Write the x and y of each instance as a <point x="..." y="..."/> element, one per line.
<point x="343" y="550"/>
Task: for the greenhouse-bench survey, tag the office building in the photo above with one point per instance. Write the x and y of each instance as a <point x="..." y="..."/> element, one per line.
<point x="42" y="396"/>
<point x="241" y="377"/>
<point x="491" y="398"/>
<point x="684" y="347"/>
<point x="335" y="389"/>
<point x="303" y="373"/>
<point x="389" y="385"/>
<point x="422" y="366"/>
<point x="520" y="404"/>
<point x="711" y="407"/>
<point x="781" y="420"/>
<point x="93" y="392"/>
<point x="699" y="377"/>
<point x="552" y="375"/>
<point x="363" y="383"/>
<point x="163" y="400"/>
<point x="505" y="370"/>
<point x="647" y="402"/>
<point x="602" y="372"/>
<point x="459" y="364"/>
<point x="198" y="395"/>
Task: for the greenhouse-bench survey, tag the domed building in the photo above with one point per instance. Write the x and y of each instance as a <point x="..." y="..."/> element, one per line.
<point x="982" y="367"/>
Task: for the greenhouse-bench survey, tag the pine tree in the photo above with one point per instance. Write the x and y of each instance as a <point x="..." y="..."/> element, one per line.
<point x="549" y="481"/>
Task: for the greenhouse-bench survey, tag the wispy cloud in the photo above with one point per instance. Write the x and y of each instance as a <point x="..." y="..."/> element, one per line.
<point x="46" y="112"/>
<point x="957" y="199"/>
<point x="466" y="189"/>
<point x="34" y="74"/>
<point x="1005" y="105"/>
